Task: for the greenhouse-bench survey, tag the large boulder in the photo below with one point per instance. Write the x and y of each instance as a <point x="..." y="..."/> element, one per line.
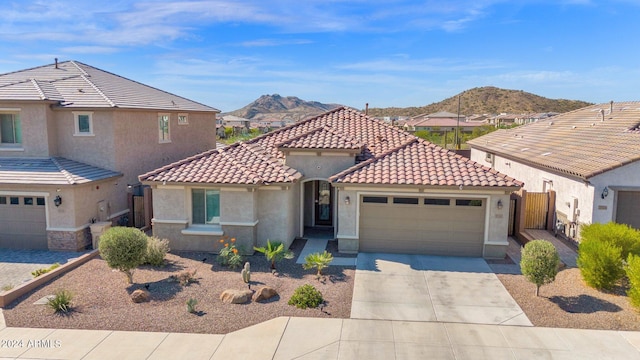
<point x="139" y="296"/>
<point x="231" y="296"/>
<point x="264" y="293"/>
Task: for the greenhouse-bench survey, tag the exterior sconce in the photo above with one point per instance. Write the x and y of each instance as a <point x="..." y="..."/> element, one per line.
<point x="605" y="192"/>
<point x="57" y="201"/>
<point x="347" y="200"/>
<point x="499" y="204"/>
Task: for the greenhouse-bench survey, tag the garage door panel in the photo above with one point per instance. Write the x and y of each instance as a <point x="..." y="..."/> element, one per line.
<point x="23" y="226"/>
<point x="424" y="229"/>
<point x="628" y="208"/>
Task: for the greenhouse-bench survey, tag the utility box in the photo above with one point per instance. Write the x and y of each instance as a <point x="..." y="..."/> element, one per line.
<point x="98" y="229"/>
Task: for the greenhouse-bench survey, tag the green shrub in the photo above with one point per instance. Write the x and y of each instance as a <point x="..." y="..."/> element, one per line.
<point x="306" y="296"/>
<point x="61" y="301"/>
<point x="7" y="287"/>
<point x="539" y="263"/>
<point x="124" y="249"/>
<point x="633" y="273"/>
<point x="42" y="271"/>
<point x="600" y="263"/>
<point x="274" y="252"/>
<point x="318" y="261"/>
<point x="620" y="235"/>
<point x="156" y="251"/>
<point x="191" y="305"/>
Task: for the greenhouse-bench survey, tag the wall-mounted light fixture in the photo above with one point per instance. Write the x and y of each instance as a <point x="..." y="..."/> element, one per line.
<point x="57" y="201"/>
<point x="347" y="200"/>
<point x="499" y="204"/>
<point x="605" y="192"/>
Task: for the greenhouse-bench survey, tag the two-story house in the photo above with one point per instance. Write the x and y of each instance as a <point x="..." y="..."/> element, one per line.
<point x="73" y="139"/>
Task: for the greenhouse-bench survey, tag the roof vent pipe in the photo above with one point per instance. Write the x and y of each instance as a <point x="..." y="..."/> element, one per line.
<point x="611" y="107"/>
<point x="366" y="109"/>
<point x="56" y="59"/>
<point x="602" y="113"/>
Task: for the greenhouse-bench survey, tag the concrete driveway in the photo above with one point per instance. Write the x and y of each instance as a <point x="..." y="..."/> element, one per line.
<point x="431" y="288"/>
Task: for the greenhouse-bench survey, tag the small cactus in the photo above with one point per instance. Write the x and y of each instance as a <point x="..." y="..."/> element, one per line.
<point x="191" y="305"/>
<point x="246" y="273"/>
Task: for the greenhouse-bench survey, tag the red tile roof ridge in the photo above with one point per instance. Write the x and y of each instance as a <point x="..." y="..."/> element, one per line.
<point x="343" y="136"/>
<point x="273" y="163"/>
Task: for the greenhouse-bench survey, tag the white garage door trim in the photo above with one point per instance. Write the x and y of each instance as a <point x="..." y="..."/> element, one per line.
<point x="486" y="198"/>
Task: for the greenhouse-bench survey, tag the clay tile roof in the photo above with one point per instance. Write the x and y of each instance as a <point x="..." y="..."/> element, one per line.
<point x="422" y="163"/>
<point x="322" y="138"/>
<point x="581" y="143"/>
<point x="387" y="155"/>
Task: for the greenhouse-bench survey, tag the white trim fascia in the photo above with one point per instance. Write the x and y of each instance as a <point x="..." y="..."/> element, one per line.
<point x="23" y="193"/>
<point x="14" y="149"/>
<point x="171" y="187"/>
<point x="168" y="221"/>
<point x="239" y="223"/>
<point x="11" y="109"/>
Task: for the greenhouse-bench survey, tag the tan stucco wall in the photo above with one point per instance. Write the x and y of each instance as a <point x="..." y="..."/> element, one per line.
<point x="319" y="165"/>
<point x="33" y="119"/>
<point x="279" y="214"/>
<point x="94" y="150"/>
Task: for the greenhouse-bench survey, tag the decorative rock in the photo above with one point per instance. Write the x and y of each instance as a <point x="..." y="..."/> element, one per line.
<point x="231" y="296"/>
<point x="139" y="296"/>
<point x="264" y="293"/>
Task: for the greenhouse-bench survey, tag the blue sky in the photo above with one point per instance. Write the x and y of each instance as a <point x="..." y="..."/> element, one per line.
<point x="385" y="52"/>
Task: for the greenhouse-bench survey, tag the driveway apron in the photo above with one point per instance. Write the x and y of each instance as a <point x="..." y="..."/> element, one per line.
<point x="431" y="288"/>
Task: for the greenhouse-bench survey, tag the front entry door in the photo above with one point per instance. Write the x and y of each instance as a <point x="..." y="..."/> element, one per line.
<point x="323" y="196"/>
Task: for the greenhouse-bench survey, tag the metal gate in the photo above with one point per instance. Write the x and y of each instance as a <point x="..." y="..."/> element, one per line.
<point x="537" y="207"/>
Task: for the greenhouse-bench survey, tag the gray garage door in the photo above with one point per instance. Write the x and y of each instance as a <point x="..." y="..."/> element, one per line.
<point x="628" y="208"/>
<point x="23" y="222"/>
<point x="422" y="225"/>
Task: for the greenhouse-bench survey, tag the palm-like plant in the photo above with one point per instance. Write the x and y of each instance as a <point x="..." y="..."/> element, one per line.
<point x="274" y="252"/>
<point x="318" y="261"/>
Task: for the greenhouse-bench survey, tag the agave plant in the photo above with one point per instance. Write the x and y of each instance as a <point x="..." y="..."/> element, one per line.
<point x="274" y="252"/>
<point x="317" y="261"/>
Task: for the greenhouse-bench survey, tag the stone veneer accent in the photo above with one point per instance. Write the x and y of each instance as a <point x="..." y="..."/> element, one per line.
<point x="69" y="240"/>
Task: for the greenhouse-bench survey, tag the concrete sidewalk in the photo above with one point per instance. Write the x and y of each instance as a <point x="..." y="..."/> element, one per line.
<point x="317" y="338"/>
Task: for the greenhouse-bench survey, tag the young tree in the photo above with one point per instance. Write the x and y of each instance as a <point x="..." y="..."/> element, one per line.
<point x="539" y="263"/>
<point x="274" y="252"/>
<point x="124" y="249"/>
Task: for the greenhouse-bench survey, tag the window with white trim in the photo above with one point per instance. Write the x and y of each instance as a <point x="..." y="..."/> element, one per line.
<point x="183" y="119"/>
<point x="163" y="128"/>
<point x="205" y="206"/>
<point x="83" y="123"/>
<point x="10" y="129"/>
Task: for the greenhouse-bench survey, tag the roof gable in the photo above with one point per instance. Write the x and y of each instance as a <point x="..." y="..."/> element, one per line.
<point x="77" y="85"/>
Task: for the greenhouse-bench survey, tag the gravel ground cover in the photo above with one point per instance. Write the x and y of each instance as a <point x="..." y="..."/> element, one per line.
<point x="569" y="303"/>
<point x="101" y="296"/>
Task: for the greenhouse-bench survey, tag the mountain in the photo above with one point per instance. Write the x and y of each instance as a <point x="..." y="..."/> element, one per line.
<point x="279" y="107"/>
<point x="488" y="100"/>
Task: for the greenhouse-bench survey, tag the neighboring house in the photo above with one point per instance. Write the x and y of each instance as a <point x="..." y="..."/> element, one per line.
<point x="505" y="119"/>
<point x="73" y="139"/>
<point x="379" y="188"/>
<point x="442" y="125"/>
<point x="589" y="157"/>
<point x="238" y="124"/>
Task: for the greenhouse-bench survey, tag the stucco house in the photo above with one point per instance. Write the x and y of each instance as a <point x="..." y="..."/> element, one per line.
<point x="376" y="187"/>
<point x="73" y="139"/>
<point x="589" y="157"/>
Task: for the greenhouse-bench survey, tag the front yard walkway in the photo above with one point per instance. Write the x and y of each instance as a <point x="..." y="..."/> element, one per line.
<point x="318" y="245"/>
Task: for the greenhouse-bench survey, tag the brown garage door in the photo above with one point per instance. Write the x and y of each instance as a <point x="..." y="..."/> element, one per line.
<point x="23" y="222"/>
<point x="628" y="208"/>
<point x="422" y="225"/>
